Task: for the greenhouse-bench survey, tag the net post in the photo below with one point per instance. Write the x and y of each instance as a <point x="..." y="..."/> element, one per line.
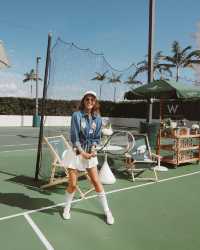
<point x="43" y="106"/>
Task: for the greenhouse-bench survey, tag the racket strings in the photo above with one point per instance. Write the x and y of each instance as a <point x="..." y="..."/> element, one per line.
<point x="119" y="143"/>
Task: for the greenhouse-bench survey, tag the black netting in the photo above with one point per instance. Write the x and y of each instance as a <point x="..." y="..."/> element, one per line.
<point x="72" y="72"/>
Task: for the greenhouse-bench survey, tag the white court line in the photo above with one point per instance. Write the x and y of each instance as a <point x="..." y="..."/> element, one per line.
<point x="93" y="196"/>
<point x="8" y="135"/>
<point x="17" y="150"/>
<point x="15" y="135"/>
<point x="13" y="145"/>
<point x="39" y="233"/>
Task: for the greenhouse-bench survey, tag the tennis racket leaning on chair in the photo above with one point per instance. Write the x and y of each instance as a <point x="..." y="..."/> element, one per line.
<point x="118" y="143"/>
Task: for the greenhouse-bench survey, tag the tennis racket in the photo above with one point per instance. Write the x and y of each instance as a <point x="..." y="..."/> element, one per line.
<point x="119" y="143"/>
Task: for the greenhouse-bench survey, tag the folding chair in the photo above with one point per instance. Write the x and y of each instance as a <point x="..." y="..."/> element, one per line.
<point x="140" y="158"/>
<point x="58" y="147"/>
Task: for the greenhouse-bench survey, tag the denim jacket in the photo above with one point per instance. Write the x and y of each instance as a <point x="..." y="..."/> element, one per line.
<point x="85" y="130"/>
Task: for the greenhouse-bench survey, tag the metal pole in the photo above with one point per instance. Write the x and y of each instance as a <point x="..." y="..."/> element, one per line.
<point x="37" y="78"/>
<point x="43" y="106"/>
<point x="150" y="51"/>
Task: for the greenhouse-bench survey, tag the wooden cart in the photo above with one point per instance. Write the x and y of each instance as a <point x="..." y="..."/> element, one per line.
<point x="178" y="147"/>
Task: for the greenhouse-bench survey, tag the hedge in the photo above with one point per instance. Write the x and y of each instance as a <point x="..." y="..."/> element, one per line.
<point x="26" y="106"/>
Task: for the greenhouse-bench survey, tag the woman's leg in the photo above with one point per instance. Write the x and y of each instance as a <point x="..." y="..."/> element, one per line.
<point x="93" y="174"/>
<point x="70" y="191"/>
<point x="72" y="180"/>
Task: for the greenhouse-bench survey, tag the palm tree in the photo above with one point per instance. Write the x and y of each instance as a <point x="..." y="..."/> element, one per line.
<point x="31" y="76"/>
<point x="182" y="58"/>
<point x="132" y="81"/>
<point x="158" y="67"/>
<point x="100" y="77"/>
<point x="115" y="79"/>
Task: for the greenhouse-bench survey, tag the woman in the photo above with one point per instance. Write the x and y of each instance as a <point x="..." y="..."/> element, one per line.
<point x="85" y="135"/>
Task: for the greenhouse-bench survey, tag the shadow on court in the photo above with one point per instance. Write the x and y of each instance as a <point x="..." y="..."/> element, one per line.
<point x="31" y="184"/>
<point x="27" y="136"/>
<point x="24" y="180"/>
<point x="26" y="202"/>
<point x="88" y="212"/>
<point x="82" y="211"/>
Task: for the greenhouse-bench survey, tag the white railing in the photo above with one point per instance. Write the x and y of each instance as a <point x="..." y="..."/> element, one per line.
<point x="27" y="120"/>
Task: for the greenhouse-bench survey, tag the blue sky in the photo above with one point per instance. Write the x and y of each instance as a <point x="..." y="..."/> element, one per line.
<point x="119" y="29"/>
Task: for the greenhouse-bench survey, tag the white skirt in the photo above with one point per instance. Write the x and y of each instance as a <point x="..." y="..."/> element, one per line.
<point x="71" y="160"/>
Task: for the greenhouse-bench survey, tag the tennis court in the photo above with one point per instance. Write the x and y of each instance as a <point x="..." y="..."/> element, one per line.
<point x="148" y="215"/>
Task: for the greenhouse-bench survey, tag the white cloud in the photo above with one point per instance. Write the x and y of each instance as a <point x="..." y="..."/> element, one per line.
<point x="11" y="84"/>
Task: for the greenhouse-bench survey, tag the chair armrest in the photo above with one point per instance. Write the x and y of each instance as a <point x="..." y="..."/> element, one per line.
<point x="156" y="156"/>
<point x="127" y="155"/>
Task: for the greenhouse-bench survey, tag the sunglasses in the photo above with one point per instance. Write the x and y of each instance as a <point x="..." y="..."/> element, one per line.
<point x="87" y="99"/>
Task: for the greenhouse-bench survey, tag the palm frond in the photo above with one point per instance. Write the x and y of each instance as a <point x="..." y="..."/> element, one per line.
<point x="30" y="76"/>
<point x="167" y="65"/>
<point x="194" y="53"/>
<point x="169" y="59"/>
<point x="100" y="76"/>
<point x="187" y="48"/>
<point x="131" y="80"/>
<point x="176" y="48"/>
<point x="140" y="70"/>
<point x="115" y="78"/>
<point x="26" y="80"/>
<point x="142" y="62"/>
<point x="192" y="62"/>
<point x="158" y="56"/>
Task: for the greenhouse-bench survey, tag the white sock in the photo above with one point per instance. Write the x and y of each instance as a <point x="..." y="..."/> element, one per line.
<point x="68" y="200"/>
<point x="103" y="201"/>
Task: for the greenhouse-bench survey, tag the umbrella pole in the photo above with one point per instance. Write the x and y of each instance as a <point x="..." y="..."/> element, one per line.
<point x="161" y="124"/>
<point x="161" y="110"/>
<point x="159" y="167"/>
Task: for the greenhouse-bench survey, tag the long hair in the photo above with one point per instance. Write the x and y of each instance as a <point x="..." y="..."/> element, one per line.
<point x="95" y="109"/>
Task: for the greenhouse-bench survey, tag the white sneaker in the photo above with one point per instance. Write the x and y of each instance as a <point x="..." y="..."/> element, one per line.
<point x="109" y="218"/>
<point x="66" y="214"/>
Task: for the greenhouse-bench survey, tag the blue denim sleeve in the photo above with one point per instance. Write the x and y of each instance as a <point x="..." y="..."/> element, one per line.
<point x="75" y="131"/>
<point x="97" y="135"/>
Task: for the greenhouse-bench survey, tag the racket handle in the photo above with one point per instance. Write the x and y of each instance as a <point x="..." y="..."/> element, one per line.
<point x="93" y="151"/>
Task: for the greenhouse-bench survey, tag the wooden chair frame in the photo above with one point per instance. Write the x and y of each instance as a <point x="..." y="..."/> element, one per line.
<point x="131" y="163"/>
<point x="58" y="163"/>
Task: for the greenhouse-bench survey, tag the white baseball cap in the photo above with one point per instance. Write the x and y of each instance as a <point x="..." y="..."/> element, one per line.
<point x="90" y="92"/>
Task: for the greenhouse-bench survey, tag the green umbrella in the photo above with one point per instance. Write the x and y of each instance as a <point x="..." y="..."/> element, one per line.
<point x="164" y="89"/>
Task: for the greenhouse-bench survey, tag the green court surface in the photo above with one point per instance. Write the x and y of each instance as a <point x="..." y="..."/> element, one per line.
<point x="148" y="215"/>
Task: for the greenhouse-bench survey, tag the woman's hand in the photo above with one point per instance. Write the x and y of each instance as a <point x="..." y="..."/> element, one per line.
<point x="93" y="153"/>
<point x="86" y="155"/>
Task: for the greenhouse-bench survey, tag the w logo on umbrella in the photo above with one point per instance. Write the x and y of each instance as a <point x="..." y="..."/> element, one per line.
<point x="172" y="108"/>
